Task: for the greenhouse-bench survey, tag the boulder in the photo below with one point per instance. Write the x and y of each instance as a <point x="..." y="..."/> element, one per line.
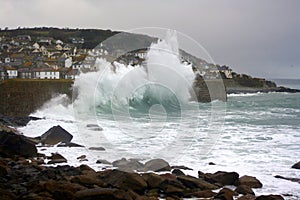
<point x="16" y="121"/>
<point x="297" y="180"/>
<point x="177" y="172"/>
<point x="269" y="197"/>
<point x="105" y="162"/>
<point x="129" y="165"/>
<point x="7" y="195"/>
<point x="153" y="180"/>
<point x="199" y="194"/>
<point x="196" y="183"/>
<point x="250" y="181"/>
<point x="3" y="170"/>
<point x="56" y="158"/>
<point x="94" y="127"/>
<point x="61" y="189"/>
<point x="224" y="178"/>
<point x="296" y="165"/>
<point x="225" y="194"/>
<point x="97" y="148"/>
<point x="124" y="180"/>
<point x="69" y="144"/>
<point x="13" y="144"/>
<point x="157" y="165"/>
<point x="103" y="194"/>
<point x="244" y="189"/>
<point x="247" y="197"/>
<point x="88" y="180"/>
<point x="180" y="167"/>
<point x="55" y="135"/>
<point x="172" y="187"/>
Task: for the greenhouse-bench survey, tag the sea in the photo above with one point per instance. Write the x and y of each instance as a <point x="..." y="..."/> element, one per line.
<point x="145" y="112"/>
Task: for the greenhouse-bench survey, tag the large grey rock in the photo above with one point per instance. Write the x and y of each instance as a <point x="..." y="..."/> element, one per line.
<point x="55" y="135"/>
<point x="157" y="165"/>
<point x="129" y="165"/>
<point x="296" y="165"/>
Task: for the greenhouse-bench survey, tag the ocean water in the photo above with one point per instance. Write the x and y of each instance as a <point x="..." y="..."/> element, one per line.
<point x="145" y="113"/>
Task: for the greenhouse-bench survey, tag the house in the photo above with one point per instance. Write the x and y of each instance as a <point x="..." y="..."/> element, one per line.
<point x="36" y="46"/>
<point x="59" y="42"/>
<point x="11" y="72"/>
<point x="45" y="40"/>
<point x="58" y="47"/>
<point x="24" y="38"/>
<point x="226" y="70"/>
<point x="2" y="73"/>
<point x="77" y="65"/>
<point x="77" y="40"/>
<point x="72" y="74"/>
<point x="25" y="73"/>
<point x="46" y="73"/>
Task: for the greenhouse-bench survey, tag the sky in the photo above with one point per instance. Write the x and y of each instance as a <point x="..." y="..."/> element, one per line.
<point x="257" y="37"/>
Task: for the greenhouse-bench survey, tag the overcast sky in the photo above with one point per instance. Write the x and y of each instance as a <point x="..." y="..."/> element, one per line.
<point x="259" y="37"/>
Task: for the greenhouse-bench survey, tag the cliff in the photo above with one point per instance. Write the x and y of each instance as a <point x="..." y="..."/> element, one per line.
<point x="21" y="97"/>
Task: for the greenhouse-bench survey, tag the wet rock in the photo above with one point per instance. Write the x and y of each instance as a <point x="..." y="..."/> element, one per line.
<point x="177" y="172"/>
<point x="69" y="144"/>
<point x="61" y="189"/>
<point x="180" y="167"/>
<point x="228" y="191"/>
<point x="7" y="195"/>
<point x="173" y="187"/>
<point x="269" y="197"/>
<point x="224" y="178"/>
<point x="153" y="180"/>
<point x="88" y="181"/>
<point x="55" y="135"/>
<point x="124" y="180"/>
<point x="247" y="197"/>
<point x="97" y="148"/>
<point x="157" y="165"/>
<point x="244" y="189"/>
<point x="199" y="194"/>
<point x="296" y="165"/>
<point x="3" y="170"/>
<point x="102" y="194"/>
<point x="94" y="127"/>
<point x="250" y="181"/>
<point x="223" y="195"/>
<point x="16" y="121"/>
<point x="81" y="157"/>
<point x="129" y="165"/>
<point x="105" y="162"/>
<point x="56" y="158"/>
<point x="196" y="183"/>
<point x="12" y="144"/>
<point x="211" y="163"/>
<point x="297" y="180"/>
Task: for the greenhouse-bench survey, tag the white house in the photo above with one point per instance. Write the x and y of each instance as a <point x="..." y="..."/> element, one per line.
<point x="59" y="42"/>
<point x="68" y="62"/>
<point x="11" y="72"/>
<point x="46" y="73"/>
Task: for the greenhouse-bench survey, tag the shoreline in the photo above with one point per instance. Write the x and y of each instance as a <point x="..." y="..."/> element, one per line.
<point x="168" y="182"/>
<point x="26" y="177"/>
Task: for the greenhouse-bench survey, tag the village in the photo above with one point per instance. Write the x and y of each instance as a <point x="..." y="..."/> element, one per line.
<point x="23" y="57"/>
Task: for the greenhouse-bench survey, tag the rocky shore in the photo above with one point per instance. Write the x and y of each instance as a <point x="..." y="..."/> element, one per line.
<point x="23" y="175"/>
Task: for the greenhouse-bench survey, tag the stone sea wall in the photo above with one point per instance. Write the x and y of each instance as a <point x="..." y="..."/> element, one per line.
<point x="21" y="97"/>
